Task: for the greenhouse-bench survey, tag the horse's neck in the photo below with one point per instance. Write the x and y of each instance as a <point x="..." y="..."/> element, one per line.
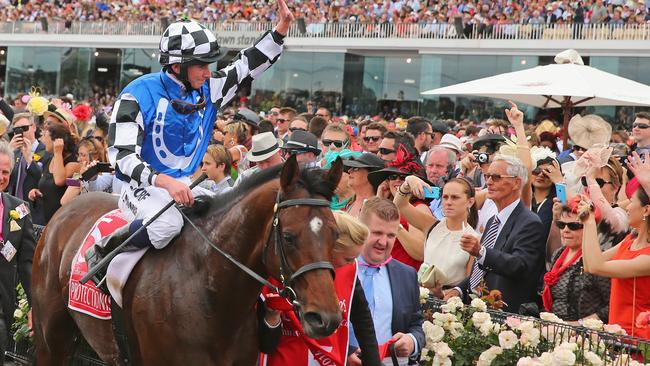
<point x="242" y="233"/>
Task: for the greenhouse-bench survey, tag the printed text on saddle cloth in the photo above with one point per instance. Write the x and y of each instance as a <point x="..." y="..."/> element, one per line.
<point x="87" y="298"/>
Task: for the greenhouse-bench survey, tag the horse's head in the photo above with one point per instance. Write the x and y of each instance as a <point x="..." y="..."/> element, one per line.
<point x="304" y="235"/>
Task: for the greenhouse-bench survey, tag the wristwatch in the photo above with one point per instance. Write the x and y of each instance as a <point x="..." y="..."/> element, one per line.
<point x="481" y="253"/>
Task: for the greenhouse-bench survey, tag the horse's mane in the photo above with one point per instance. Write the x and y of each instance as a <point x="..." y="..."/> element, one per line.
<point x="310" y="179"/>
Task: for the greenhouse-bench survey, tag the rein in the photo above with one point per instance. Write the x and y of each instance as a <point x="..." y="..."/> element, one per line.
<point x="287" y="292"/>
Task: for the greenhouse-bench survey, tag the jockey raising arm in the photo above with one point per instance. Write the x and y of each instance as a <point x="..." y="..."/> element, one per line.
<point x="162" y="122"/>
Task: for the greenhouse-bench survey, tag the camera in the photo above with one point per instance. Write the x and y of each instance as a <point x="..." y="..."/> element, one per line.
<point x="18" y="131"/>
<point x="481" y="157"/>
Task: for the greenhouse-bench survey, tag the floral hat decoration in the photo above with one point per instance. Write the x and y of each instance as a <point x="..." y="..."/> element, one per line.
<point x="37" y="104"/>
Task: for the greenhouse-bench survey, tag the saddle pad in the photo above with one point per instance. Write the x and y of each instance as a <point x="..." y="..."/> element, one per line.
<point x="119" y="270"/>
<point x="87" y="298"/>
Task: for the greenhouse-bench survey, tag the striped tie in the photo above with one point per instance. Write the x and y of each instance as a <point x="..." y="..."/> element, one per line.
<point x="490" y="238"/>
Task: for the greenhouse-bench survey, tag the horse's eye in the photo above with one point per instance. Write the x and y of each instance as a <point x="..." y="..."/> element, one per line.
<point x="289" y="239"/>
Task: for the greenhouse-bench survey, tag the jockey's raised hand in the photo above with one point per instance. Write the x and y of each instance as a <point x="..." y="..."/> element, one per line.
<point x="285" y="18"/>
<point x="180" y="192"/>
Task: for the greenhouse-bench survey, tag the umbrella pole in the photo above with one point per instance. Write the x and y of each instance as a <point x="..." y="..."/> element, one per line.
<point x="566" y="106"/>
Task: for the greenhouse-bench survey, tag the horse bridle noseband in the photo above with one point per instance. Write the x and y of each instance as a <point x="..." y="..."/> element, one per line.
<point x="287" y="291"/>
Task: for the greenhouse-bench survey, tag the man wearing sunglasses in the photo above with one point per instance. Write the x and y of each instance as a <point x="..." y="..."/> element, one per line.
<point x="390" y="142"/>
<point x="160" y="127"/>
<point x="641" y="132"/>
<point x="372" y="138"/>
<point x="335" y="138"/>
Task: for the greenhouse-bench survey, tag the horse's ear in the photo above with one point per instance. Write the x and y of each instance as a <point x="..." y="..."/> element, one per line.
<point x="336" y="171"/>
<point x="290" y="174"/>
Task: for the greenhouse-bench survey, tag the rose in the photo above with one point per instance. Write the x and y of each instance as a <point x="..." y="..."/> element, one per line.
<point x="486" y="358"/>
<point x="18" y="313"/>
<point x="424" y="295"/>
<point x="441" y="361"/>
<point x="433" y="333"/>
<point x="441" y="349"/>
<point x="529" y="337"/>
<point x="14" y="215"/>
<point x="513" y="322"/>
<point x="563" y="357"/>
<point x="550" y="317"/>
<point x="479" y="318"/>
<point x="614" y="328"/>
<point x="486" y="328"/>
<point x="508" y="339"/>
<point x="591" y="323"/>
<point x="36" y="157"/>
<point x="527" y="361"/>
<point x="593" y="359"/>
<point x="479" y="304"/>
<point x="643" y="319"/>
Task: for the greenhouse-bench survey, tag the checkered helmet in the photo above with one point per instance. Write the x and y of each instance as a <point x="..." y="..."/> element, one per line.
<point x="188" y="41"/>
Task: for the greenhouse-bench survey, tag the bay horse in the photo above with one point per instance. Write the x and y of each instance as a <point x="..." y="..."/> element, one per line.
<point x="187" y="304"/>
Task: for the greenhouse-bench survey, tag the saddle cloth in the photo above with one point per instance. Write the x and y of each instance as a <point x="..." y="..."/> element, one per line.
<point x="87" y="298"/>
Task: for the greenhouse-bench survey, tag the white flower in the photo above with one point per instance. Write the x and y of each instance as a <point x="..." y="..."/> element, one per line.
<point x="614" y="328"/>
<point x="456" y="329"/>
<point x="424" y="294"/>
<point x="22" y="303"/>
<point x="527" y="361"/>
<point x="440" y="361"/>
<point x="563" y="357"/>
<point x="18" y="313"/>
<point x="529" y="337"/>
<point x="479" y="318"/>
<point x="441" y="349"/>
<point x="479" y="304"/>
<point x="593" y="359"/>
<point x="452" y="305"/>
<point x="486" y="328"/>
<point x="432" y="332"/>
<point x="444" y="319"/>
<point x="546" y="358"/>
<point x="569" y="346"/>
<point x="508" y="339"/>
<point x="550" y="317"/>
<point x="424" y="355"/>
<point x="526" y="325"/>
<point x="486" y="358"/>
<point x="591" y="323"/>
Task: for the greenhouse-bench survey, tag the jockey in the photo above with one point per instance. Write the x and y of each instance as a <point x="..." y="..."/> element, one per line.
<point x="162" y="122"/>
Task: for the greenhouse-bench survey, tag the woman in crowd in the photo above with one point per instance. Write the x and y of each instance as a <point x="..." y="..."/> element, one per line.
<point x="62" y="165"/>
<point x="281" y="339"/>
<point x="407" y="248"/>
<point x="343" y="194"/>
<point x="357" y="169"/>
<point x="217" y="165"/>
<point x="235" y="136"/>
<point x="90" y="151"/>
<point x="569" y="292"/>
<point x="545" y="175"/>
<point x="442" y="246"/>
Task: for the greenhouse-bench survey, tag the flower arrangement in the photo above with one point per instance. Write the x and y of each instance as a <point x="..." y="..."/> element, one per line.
<point x="463" y="335"/>
<point x="20" y="328"/>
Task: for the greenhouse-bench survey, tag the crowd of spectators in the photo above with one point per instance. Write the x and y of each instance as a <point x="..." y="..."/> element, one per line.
<point x="473" y="12"/>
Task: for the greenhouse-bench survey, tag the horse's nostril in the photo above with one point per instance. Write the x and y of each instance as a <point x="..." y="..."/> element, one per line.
<point x="314" y="319"/>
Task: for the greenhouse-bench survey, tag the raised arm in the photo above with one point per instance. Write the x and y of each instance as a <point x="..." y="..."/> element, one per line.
<point x="516" y="118"/>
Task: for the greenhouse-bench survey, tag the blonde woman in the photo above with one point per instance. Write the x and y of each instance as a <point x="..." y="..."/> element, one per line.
<point x="281" y="340"/>
<point x="235" y="136"/>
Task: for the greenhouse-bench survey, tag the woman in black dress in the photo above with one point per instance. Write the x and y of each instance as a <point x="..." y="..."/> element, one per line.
<point x="61" y="164"/>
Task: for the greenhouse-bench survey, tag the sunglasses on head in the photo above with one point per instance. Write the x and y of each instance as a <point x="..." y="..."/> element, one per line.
<point x="385" y="151"/>
<point x="188" y="108"/>
<point x="337" y="143"/>
<point x="293" y="129"/>
<point x="497" y="177"/>
<point x="601" y="182"/>
<point x="642" y="126"/>
<point x="573" y="226"/>
<point x="372" y="138"/>
<point x="397" y="176"/>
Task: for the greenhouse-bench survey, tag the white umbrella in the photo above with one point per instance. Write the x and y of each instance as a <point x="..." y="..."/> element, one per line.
<point x="566" y="84"/>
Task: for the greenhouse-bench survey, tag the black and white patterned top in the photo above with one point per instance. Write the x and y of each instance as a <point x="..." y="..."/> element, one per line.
<point x="578" y="294"/>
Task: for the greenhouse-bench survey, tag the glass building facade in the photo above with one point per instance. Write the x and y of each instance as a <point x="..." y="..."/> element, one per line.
<point x="347" y="83"/>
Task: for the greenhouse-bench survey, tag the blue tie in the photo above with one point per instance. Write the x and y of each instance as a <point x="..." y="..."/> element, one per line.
<point x="369" y="288"/>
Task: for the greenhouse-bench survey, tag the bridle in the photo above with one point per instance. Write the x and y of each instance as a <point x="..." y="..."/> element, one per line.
<point x="286" y="277"/>
<point x="279" y="245"/>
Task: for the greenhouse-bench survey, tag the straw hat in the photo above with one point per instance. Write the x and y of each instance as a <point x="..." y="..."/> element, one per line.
<point x="63" y="115"/>
<point x="264" y="146"/>
<point x="589" y="130"/>
<point x="4" y="124"/>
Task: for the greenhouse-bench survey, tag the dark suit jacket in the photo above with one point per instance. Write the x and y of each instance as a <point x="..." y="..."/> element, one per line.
<point x="33" y="175"/>
<point x="516" y="262"/>
<point x="20" y="266"/>
<point x="407" y="313"/>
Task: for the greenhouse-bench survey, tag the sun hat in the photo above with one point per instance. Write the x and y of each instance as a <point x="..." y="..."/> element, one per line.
<point x="302" y="141"/>
<point x="438" y="126"/>
<point x="590" y="130"/>
<point x="247" y="116"/>
<point x="368" y="161"/>
<point x="264" y="146"/>
<point x="451" y="142"/>
<point x="404" y="164"/>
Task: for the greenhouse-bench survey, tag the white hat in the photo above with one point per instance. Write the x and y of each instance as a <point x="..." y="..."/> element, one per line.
<point x="451" y="142"/>
<point x="264" y="146"/>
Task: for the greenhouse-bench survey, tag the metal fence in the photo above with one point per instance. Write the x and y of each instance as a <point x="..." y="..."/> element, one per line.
<point x="634" y="32"/>
<point x="599" y="342"/>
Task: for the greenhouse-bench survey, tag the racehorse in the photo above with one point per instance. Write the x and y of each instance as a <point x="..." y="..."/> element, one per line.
<point x="186" y="304"/>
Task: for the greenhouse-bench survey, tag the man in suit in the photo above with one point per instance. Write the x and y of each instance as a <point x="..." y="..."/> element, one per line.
<point x="391" y="287"/>
<point x="510" y="255"/>
<point x="29" y="157"/>
<point x="16" y="248"/>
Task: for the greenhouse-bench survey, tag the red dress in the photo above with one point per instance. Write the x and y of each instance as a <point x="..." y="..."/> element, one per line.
<point x="399" y="252"/>
<point x="296" y="349"/>
<point x="625" y="303"/>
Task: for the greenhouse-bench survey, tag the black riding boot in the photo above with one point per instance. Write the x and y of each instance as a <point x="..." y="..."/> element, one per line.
<point x="104" y="247"/>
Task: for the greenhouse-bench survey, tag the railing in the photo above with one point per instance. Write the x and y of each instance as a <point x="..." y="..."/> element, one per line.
<point x="360" y="30"/>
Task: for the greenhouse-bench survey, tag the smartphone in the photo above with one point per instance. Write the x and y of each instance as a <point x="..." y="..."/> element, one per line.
<point x="433" y="193"/>
<point x="93" y="171"/>
<point x="560" y="191"/>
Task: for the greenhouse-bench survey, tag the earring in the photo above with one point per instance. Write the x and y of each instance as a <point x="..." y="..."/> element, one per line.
<point x="644" y="217"/>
